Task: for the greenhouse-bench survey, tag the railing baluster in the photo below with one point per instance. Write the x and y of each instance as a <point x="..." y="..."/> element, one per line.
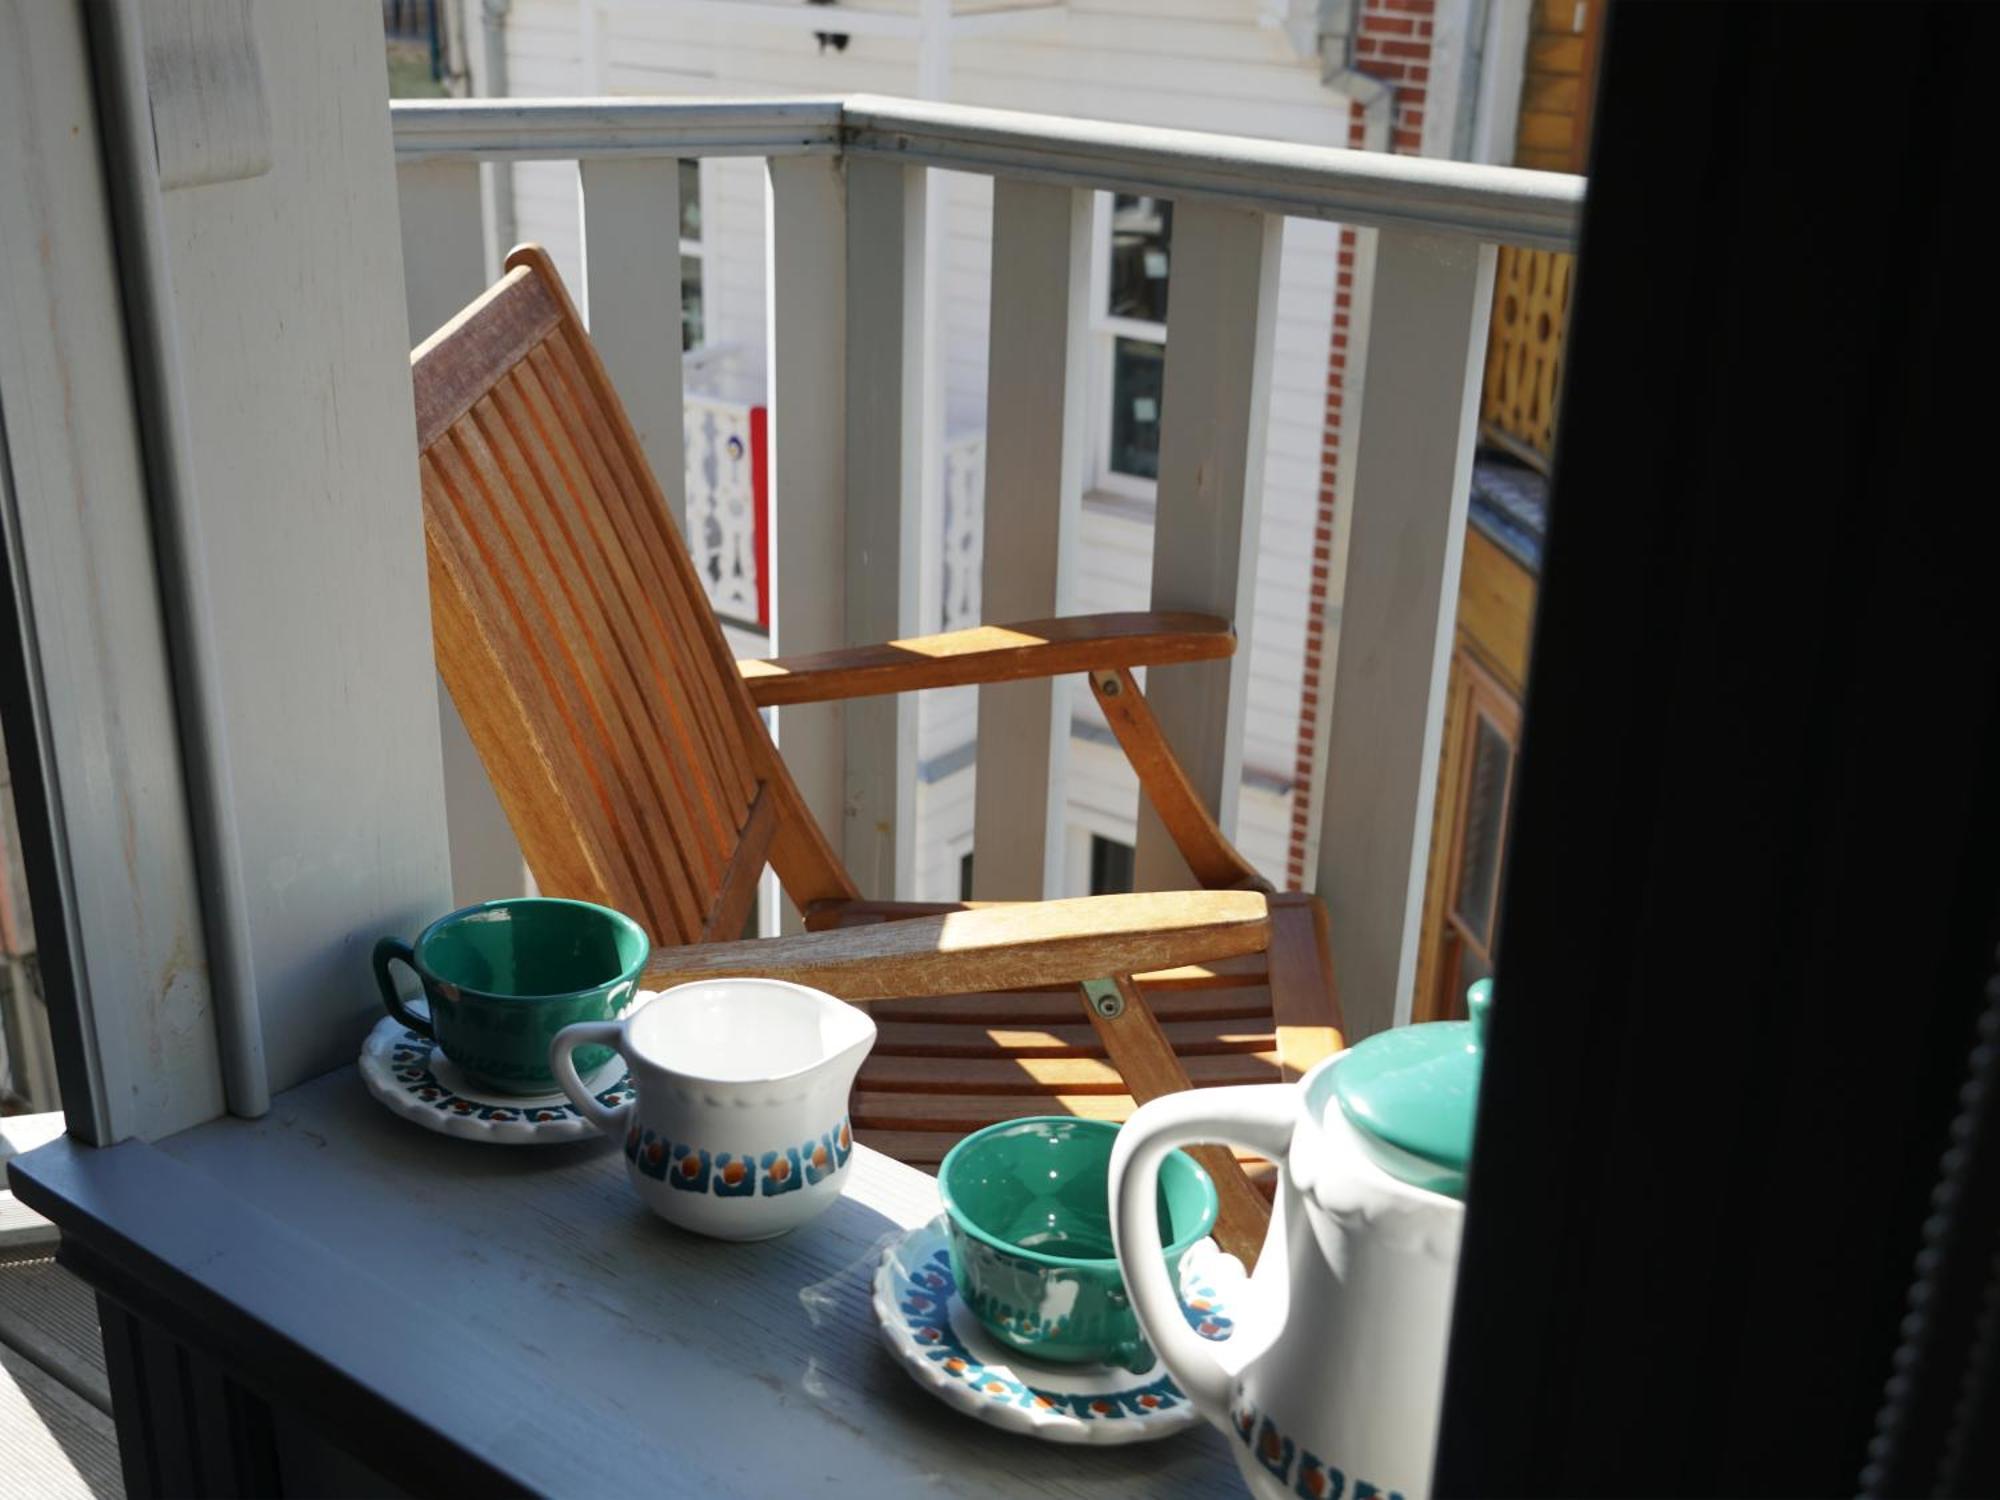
<point x="631" y="217"/>
<point x="444" y="268"/>
<point x="806" y="247"/>
<point x="1035" y="433"/>
<point x="886" y="460"/>
<point x="444" y="242"/>
<point x="1221" y="312"/>
<point x="1424" y="346"/>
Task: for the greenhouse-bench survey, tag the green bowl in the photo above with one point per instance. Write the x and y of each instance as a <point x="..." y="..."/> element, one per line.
<point x="1028" y="1210"/>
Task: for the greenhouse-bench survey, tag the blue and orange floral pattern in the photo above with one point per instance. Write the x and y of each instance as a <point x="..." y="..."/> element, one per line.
<point x="410" y="1065"/>
<point x="924" y="1301"/>
<point x="1202" y="1308"/>
<point x="1293" y="1463"/>
<point x="696" y="1169"/>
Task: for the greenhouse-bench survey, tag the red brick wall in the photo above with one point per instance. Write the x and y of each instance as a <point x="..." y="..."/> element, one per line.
<point x="1394" y="45"/>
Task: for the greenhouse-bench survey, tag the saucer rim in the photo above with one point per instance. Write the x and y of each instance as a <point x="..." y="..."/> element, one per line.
<point x="1054" y="1426"/>
<point x="372" y="1062"/>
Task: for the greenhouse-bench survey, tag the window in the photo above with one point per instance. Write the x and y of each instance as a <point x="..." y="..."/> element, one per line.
<point x="1132" y="329"/>
<point x="693" y="327"/>
<point x="1110" y="866"/>
<point x="965" y="876"/>
<point x="1479" y="783"/>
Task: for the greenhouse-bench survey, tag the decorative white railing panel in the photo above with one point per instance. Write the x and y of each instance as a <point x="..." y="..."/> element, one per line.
<point x="725" y="529"/>
<point x="964" y="529"/>
<point x="841" y="556"/>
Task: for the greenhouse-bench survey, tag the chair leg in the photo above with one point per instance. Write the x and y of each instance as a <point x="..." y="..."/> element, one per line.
<point x="1144" y="1058"/>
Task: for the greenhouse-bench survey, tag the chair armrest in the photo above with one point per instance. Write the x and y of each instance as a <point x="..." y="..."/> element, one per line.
<point x="992" y="947"/>
<point x="988" y="653"/>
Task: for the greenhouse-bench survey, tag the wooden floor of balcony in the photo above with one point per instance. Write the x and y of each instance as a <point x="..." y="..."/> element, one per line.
<point x="57" y="1441"/>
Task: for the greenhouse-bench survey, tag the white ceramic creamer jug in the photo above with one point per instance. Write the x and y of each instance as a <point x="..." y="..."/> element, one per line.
<point x="1331" y="1386"/>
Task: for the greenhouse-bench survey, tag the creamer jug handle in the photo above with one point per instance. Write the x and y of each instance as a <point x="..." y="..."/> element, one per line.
<point x="1256" y="1117"/>
<point x="611" y="1119"/>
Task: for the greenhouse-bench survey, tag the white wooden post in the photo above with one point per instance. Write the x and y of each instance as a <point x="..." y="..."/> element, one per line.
<point x="1425" y="346"/>
<point x="886" y="460"/>
<point x="631" y="216"/>
<point x="1035" y="431"/>
<point x="287" y="485"/>
<point x="444" y="268"/>
<point x="806" y="246"/>
<point x="1221" y="315"/>
<point x="92" y="715"/>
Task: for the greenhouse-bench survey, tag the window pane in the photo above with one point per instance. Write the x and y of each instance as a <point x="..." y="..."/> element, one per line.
<point x="1110" y="867"/>
<point x="690" y="200"/>
<point x="691" y="320"/>
<point x="1472" y="967"/>
<point x="1136" y="369"/>
<point x="965" y="877"/>
<point x="1480" y="843"/>
<point x="1140" y="231"/>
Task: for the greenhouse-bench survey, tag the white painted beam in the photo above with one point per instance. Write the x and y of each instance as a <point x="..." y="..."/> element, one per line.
<point x="806" y="271"/>
<point x="1425" y="345"/>
<point x="631" y="218"/>
<point x="1036" y="427"/>
<point x="303" y="476"/>
<point x="887" y="459"/>
<point x="118" y="912"/>
<point x="578" y="129"/>
<point x="1221" y="317"/>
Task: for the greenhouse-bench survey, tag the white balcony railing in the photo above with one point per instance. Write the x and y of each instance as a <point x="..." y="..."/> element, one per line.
<point x="849" y="432"/>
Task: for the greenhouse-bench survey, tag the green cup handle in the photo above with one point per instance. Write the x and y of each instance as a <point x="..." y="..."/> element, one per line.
<point x="589" y="1034"/>
<point x="396" y="950"/>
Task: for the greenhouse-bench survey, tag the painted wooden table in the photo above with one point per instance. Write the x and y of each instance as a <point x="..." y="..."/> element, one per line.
<point x="466" y="1317"/>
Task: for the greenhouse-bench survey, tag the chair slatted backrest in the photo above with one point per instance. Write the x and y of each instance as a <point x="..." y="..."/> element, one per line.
<point x="574" y="636"/>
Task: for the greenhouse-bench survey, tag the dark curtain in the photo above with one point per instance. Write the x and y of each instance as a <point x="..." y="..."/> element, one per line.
<point x="1751" y="896"/>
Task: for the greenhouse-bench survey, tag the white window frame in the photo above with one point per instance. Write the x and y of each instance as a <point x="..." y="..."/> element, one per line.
<point x="696" y="250"/>
<point x="1105" y="331"/>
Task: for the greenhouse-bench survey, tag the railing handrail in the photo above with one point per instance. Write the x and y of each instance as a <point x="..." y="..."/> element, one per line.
<point x="1321" y="182"/>
<point x="591" y="129"/>
<point x="1505" y="204"/>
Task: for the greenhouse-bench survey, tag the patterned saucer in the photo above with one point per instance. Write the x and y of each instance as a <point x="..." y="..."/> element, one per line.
<point x="934" y="1335"/>
<point x="407" y="1072"/>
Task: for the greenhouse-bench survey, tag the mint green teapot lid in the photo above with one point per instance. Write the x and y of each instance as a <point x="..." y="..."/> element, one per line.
<point x="1411" y="1094"/>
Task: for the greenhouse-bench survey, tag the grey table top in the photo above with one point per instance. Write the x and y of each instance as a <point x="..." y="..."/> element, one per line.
<point x="523" y="1305"/>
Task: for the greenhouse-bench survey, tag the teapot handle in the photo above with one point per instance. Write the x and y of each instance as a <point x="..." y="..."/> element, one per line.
<point x="1256" y="1117"/>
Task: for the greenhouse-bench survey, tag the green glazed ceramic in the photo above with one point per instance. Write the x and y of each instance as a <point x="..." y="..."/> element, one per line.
<point x="504" y="977"/>
<point x="1029" y="1216"/>
<point x="1411" y="1093"/>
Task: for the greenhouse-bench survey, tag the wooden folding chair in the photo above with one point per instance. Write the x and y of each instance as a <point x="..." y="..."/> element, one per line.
<point x="627" y="749"/>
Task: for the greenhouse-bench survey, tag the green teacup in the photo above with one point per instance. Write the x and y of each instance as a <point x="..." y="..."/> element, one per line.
<point x="504" y="977"/>
<point x="1029" y="1220"/>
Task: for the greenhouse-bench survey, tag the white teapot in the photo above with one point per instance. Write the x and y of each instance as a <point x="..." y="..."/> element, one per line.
<point x="1331" y="1385"/>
